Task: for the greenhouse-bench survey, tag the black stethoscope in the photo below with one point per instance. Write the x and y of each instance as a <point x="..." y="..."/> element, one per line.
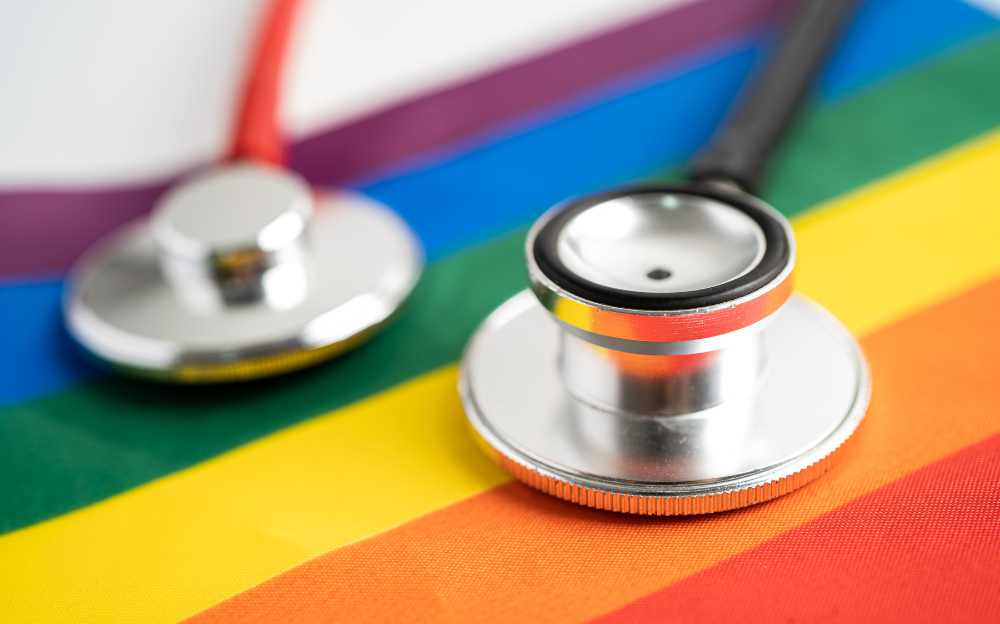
<point x="243" y="271"/>
<point x="660" y="363"/>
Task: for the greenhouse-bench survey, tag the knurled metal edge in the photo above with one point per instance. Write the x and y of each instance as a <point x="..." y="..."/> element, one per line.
<point x="652" y="505"/>
<point x="697" y="502"/>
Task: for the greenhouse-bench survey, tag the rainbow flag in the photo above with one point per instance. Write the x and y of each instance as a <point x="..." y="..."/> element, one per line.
<point x="352" y="492"/>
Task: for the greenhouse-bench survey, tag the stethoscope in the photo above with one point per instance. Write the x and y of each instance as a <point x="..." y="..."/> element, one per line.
<point x="660" y="363"/>
<point x="243" y="271"/>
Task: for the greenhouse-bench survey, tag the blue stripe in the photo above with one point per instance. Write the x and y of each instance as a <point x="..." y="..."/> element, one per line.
<point x="891" y="35"/>
<point x="638" y="126"/>
<point x="37" y="355"/>
<point x="661" y="117"/>
<point x="643" y="125"/>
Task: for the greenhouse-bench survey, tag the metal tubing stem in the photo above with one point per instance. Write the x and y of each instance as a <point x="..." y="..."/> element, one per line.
<point x="739" y="152"/>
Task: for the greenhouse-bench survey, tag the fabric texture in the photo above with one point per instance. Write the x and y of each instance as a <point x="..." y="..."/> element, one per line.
<point x="894" y="506"/>
<point x="353" y="492"/>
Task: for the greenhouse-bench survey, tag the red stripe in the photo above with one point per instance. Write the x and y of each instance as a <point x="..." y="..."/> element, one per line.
<point x="924" y="549"/>
<point x="513" y="554"/>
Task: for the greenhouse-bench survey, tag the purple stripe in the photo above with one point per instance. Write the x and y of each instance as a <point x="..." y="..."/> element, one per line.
<point x="431" y="122"/>
<point x="43" y="231"/>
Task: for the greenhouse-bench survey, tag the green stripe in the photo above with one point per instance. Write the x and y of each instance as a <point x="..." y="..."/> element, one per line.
<point x="888" y="126"/>
<point x="72" y="449"/>
<point x="69" y="450"/>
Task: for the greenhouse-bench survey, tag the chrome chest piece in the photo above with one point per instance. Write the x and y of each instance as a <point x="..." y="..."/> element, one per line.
<point x="661" y="364"/>
<point x="243" y="271"/>
<point x="239" y="273"/>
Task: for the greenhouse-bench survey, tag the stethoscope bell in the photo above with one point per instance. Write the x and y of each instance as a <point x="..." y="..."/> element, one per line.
<point x="662" y="364"/>
<point x="241" y="272"/>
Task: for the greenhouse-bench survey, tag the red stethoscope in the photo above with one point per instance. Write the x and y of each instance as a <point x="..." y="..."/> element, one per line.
<point x="242" y="270"/>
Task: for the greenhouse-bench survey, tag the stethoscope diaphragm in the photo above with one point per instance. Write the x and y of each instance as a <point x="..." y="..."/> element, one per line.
<point x="661" y="364"/>
<point x="241" y="272"/>
<point x="663" y="411"/>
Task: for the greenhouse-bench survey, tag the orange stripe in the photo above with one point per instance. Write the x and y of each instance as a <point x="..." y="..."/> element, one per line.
<point x="515" y="554"/>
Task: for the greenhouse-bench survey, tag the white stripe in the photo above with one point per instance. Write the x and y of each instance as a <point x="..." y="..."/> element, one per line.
<point x="108" y="91"/>
<point x="990" y="6"/>
<point x="358" y="55"/>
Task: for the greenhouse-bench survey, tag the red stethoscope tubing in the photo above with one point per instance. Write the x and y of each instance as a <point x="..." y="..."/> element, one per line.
<point x="257" y="136"/>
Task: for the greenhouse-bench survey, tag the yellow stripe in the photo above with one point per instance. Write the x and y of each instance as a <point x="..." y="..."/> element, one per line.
<point x="178" y="545"/>
<point x="171" y="548"/>
<point x="918" y="237"/>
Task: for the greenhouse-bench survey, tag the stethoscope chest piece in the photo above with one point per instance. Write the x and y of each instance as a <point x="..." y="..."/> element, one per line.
<point x="662" y="364"/>
<point x="239" y="273"/>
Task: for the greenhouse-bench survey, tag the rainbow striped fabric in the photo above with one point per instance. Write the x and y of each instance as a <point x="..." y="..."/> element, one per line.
<point x="352" y="492"/>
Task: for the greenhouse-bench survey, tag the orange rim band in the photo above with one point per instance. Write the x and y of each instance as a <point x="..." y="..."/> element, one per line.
<point x="673" y="327"/>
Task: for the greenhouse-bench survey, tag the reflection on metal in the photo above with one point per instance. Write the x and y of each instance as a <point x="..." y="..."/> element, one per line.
<point x="660" y="384"/>
<point x="689" y="238"/>
<point x="238" y="274"/>
<point x="235" y="237"/>
<point x="661" y="243"/>
<point x="728" y="414"/>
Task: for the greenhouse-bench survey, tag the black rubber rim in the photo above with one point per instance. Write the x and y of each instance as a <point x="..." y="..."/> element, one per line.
<point x="773" y="263"/>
